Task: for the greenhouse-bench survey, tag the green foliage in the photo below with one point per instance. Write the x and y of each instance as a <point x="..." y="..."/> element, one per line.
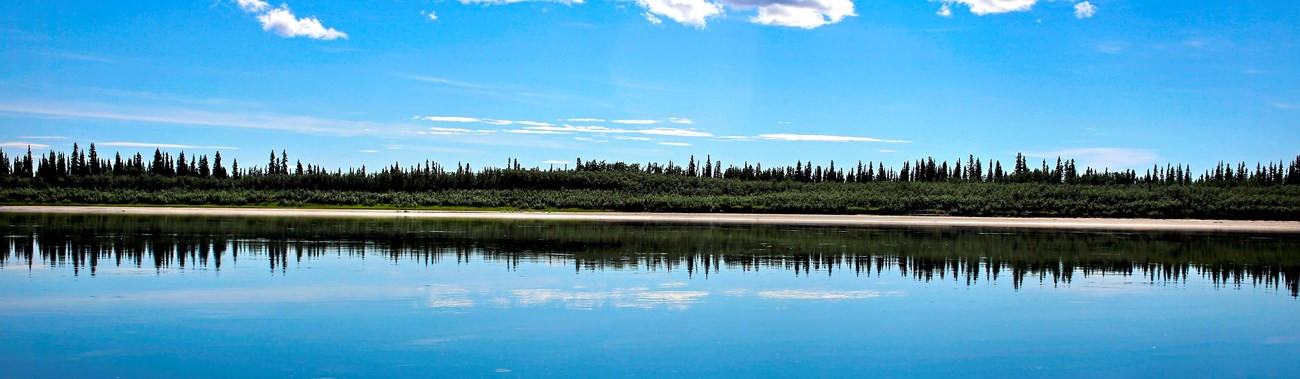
<point x="965" y="188"/>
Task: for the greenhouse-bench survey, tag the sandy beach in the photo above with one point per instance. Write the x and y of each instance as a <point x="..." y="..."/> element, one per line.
<point x="707" y="218"/>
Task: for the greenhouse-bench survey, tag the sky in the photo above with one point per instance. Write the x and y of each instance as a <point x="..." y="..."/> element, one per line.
<point x="1110" y="83"/>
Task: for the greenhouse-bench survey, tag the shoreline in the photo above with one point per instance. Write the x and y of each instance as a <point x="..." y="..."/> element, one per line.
<point x="1118" y="224"/>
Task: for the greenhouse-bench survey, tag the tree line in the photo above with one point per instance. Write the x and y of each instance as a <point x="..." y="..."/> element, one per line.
<point x="969" y="187"/>
<point x="64" y="168"/>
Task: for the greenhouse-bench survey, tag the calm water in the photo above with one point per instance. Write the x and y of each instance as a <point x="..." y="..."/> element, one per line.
<point x="105" y="296"/>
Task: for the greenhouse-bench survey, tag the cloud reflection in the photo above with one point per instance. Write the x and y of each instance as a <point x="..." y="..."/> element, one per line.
<point x="637" y="297"/>
<point x="818" y="295"/>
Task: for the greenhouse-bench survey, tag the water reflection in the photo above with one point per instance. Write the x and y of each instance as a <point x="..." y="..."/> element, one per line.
<point x="83" y="243"/>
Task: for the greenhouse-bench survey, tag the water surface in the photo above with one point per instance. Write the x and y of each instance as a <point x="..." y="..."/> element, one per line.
<point x="150" y="296"/>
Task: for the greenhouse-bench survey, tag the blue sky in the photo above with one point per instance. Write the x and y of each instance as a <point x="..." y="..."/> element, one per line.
<point x="1108" y="82"/>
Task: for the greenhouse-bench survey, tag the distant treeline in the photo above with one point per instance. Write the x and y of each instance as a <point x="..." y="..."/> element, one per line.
<point x="970" y="186"/>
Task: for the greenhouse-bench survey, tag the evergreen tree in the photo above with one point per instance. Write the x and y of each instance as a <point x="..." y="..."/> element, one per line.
<point x="218" y="171"/>
<point x="95" y="168"/>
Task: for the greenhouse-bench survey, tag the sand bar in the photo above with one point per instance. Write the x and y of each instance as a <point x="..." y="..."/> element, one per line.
<point x="1291" y="227"/>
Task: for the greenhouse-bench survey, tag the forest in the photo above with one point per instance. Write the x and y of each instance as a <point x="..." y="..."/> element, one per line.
<point x="969" y="186"/>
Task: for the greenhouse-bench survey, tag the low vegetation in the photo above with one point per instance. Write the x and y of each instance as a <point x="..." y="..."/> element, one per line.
<point x="970" y="187"/>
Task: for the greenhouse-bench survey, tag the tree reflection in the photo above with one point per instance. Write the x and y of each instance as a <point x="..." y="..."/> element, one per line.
<point x="970" y="256"/>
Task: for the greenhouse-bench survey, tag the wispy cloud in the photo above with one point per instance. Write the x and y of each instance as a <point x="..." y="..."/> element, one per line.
<point x="585" y="120"/>
<point x="636" y="122"/>
<point x="164" y="145"/>
<point x="674" y="132"/>
<point x="1104" y="157"/>
<point x="437" y="80"/>
<point x="282" y="22"/>
<point x="677" y="120"/>
<point x="823" y="138"/>
<point x="674" y="144"/>
<point x="1287" y="106"/>
<point x="488" y="121"/>
<point x="450" y="119"/>
<point x="535" y="131"/>
<point x="81" y="57"/>
<point x="23" y="145"/>
<point x="554" y="162"/>
<point x="368" y="151"/>
<point x="1112" y="47"/>
<point x="184" y="116"/>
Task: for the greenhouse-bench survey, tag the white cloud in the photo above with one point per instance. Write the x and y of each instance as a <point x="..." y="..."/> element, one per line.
<point x="451" y="119"/>
<point x="983" y="7"/>
<point x="162" y="145"/>
<point x="807" y="14"/>
<point x="498" y="2"/>
<point x="585" y="120"/>
<point x="673" y="132"/>
<point x="823" y="138"/>
<point x="652" y="18"/>
<point x="1101" y="157"/>
<point x="1288" y="106"/>
<point x="689" y="12"/>
<point x="888" y="151"/>
<point x="253" y="6"/>
<point x="945" y="10"/>
<point x="626" y="138"/>
<point x="678" y="120"/>
<point x="24" y="145"/>
<point x="535" y="131"/>
<point x="432" y="16"/>
<point x="1084" y="10"/>
<point x="450" y="130"/>
<point x="282" y="22"/>
<point x="555" y="162"/>
<point x="636" y="122"/>
<point x="488" y="121"/>
<point x="676" y="132"/>
<point x="368" y="151"/>
<point x="674" y="144"/>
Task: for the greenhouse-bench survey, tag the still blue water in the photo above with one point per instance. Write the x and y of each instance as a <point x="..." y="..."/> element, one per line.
<point x="452" y="299"/>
